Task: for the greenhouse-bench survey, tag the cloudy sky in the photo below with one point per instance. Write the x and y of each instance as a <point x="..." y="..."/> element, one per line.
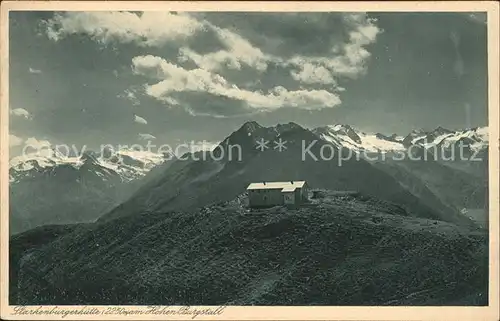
<point x="125" y="77"/>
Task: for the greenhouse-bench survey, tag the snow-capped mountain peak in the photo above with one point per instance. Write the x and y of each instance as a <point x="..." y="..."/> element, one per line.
<point x="347" y="137"/>
<point x="474" y="138"/>
<point x="42" y="159"/>
<point x="344" y="136"/>
<point x="126" y="163"/>
<point x="131" y="164"/>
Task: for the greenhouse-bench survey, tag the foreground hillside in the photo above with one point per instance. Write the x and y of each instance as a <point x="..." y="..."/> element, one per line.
<point x="340" y="250"/>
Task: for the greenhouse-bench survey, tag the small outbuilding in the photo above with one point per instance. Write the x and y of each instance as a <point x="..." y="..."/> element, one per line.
<point x="267" y="194"/>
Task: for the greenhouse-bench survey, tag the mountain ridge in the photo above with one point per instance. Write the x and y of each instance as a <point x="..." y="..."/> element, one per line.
<point x="191" y="184"/>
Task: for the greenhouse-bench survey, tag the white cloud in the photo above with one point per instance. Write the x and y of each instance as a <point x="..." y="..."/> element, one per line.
<point x="347" y="59"/>
<point x="311" y="74"/>
<point x="35" y="71"/>
<point x="175" y="78"/>
<point x="148" y="29"/>
<point x="140" y="120"/>
<point x="130" y="95"/>
<point x="30" y="148"/>
<point x="14" y="140"/>
<point x="479" y="17"/>
<point x="365" y="30"/>
<point x="39" y="147"/>
<point x="36" y="143"/>
<point x="170" y="101"/>
<point x="238" y="51"/>
<point x="21" y="112"/>
<point x="178" y="79"/>
<point x="146" y="137"/>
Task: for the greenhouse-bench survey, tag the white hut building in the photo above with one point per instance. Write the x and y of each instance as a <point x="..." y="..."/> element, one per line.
<point x="266" y="194"/>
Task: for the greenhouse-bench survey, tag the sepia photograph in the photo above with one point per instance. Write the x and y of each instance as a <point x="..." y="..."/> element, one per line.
<point x="177" y="162"/>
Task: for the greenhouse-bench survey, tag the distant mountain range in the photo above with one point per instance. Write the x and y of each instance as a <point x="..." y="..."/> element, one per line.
<point x="475" y="139"/>
<point x="438" y="175"/>
<point x="50" y="188"/>
<point x="127" y="164"/>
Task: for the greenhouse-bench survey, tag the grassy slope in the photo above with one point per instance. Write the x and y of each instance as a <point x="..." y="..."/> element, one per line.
<point x="454" y="187"/>
<point x="346" y="251"/>
<point x="21" y="244"/>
